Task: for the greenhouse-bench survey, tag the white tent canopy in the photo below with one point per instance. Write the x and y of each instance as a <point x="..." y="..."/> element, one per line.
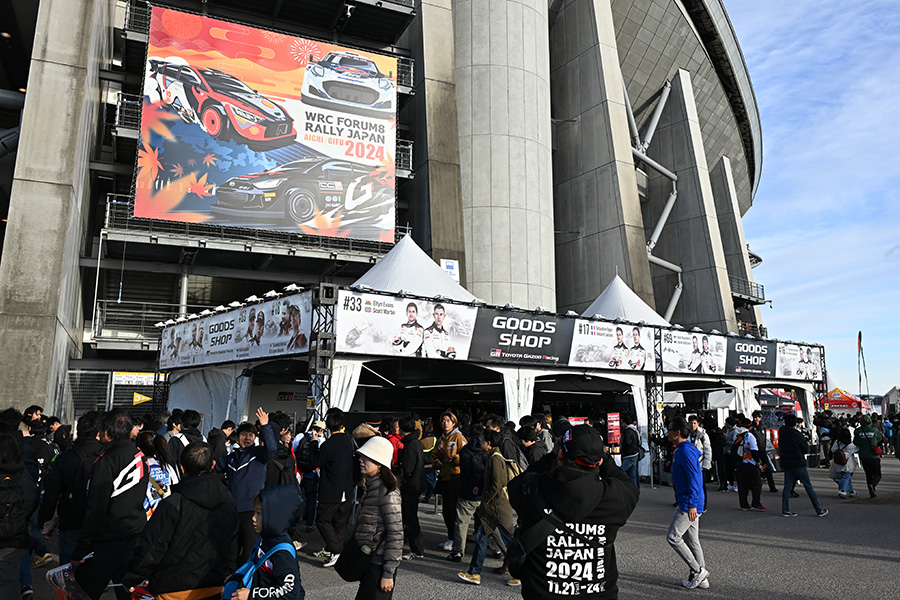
<point x="406" y="267"/>
<point x="618" y="301"/>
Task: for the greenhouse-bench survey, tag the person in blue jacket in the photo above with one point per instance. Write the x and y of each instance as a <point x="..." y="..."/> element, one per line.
<point x="245" y="474"/>
<point x="275" y="510"/>
<point x="687" y="479"/>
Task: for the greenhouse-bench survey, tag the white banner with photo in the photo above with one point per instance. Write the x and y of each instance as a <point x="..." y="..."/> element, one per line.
<point x="693" y="352"/>
<point x="392" y="326"/>
<point x="603" y="345"/>
<point x="277" y="327"/>
<point x="797" y="361"/>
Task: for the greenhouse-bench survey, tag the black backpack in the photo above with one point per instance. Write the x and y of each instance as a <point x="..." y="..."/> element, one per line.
<point x="13" y="512"/>
<point x="737" y="449"/>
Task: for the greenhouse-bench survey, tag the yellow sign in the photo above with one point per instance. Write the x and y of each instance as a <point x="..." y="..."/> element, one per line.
<point x="310" y="402"/>
<point x="140" y="399"/>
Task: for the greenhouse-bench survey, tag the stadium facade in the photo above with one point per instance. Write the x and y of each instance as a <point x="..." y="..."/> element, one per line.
<point x="545" y="145"/>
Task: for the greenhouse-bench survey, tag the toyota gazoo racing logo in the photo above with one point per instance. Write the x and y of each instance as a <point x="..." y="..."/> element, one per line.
<point x="524" y="332"/>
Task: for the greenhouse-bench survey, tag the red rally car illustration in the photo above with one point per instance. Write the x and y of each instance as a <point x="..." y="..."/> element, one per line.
<point x="224" y="106"/>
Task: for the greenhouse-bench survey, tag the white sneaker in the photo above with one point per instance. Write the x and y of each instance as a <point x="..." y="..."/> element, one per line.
<point x="697" y="579"/>
<point x="331" y="561"/>
<point x="843" y="494"/>
<point x="298" y="545"/>
<point x="704" y="585"/>
<point x="447" y="546"/>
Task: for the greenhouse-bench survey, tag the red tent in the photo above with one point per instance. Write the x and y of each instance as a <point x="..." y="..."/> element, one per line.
<point x="840" y="400"/>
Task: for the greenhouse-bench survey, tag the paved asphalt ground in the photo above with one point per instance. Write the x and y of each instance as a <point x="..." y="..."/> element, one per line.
<point x="853" y="553"/>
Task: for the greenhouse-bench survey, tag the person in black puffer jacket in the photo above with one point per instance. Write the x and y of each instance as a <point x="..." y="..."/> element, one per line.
<point x="471" y="483"/>
<point x="190" y="541"/>
<point x="19" y="492"/>
<point x="65" y="490"/>
<point x="115" y="513"/>
<point x="411" y="469"/>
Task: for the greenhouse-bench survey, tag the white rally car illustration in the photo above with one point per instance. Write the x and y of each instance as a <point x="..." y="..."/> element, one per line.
<point x="349" y="82"/>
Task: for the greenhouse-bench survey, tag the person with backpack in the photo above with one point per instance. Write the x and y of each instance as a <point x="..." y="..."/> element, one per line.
<point x="844" y="457"/>
<point x="115" y="513"/>
<point x="746" y="456"/>
<point x="309" y="483"/>
<point x="282" y="467"/>
<point x="495" y="511"/>
<point x="574" y="497"/>
<point x="18" y="500"/>
<point x="43" y="453"/>
<point x="275" y="572"/>
<point x="65" y="491"/>
<point x="471" y="484"/>
<point x="190" y="421"/>
<point x="188" y="543"/>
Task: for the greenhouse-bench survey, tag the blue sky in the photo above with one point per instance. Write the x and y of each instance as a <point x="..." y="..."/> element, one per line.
<point x="826" y="218"/>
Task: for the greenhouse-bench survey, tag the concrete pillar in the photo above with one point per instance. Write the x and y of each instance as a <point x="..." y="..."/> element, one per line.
<point x="734" y="244"/>
<point x="437" y="223"/>
<point x="691" y="237"/>
<point x="503" y="95"/>
<point x="40" y="283"/>
<point x="594" y="179"/>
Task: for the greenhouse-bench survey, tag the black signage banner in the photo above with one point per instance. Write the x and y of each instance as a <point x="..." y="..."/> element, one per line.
<point x="519" y="338"/>
<point x="750" y="357"/>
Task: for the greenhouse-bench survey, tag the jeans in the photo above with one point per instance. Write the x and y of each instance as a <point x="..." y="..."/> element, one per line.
<point x="800" y="474"/>
<point x="481" y="543"/>
<point x="36" y="541"/>
<point x="430" y="482"/>
<point x="684" y="537"/>
<point x="630" y="466"/>
<point x="67" y="541"/>
<point x="845" y="482"/>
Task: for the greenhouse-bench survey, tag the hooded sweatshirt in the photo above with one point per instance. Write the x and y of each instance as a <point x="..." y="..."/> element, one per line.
<point x="593" y="503"/>
<point x="187" y="543"/>
<point x="65" y="490"/>
<point x="279" y="577"/>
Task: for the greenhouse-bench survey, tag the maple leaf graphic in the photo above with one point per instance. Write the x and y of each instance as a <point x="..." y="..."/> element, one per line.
<point x="199" y="186"/>
<point x="178" y="170"/>
<point x="148" y="163"/>
<point x="191" y="162"/>
<point x="161" y="205"/>
<point x="322" y="224"/>
<point x="209" y="160"/>
<point x="386" y="172"/>
<point x="153" y="119"/>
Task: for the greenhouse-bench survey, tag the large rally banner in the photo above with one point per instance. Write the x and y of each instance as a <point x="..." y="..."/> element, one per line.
<point x="251" y="128"/>
<point x="799" y="362"/>
<point x="693" y="352"/>
<point x="390" y="326"/>
<point x="750" y="357"/>
<point x="277" y="327"/>
<point x="602" y="345"/>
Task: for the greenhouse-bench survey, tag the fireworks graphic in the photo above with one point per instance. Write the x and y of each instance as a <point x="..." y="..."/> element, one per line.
<point x="302" y="49"/>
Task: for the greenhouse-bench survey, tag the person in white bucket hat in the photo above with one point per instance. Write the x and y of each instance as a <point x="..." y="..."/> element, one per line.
<point x="379" y="525"/>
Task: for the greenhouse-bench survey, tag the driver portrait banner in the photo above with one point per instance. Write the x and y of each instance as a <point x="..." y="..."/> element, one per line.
<point x="251" y="128"/>
<point x="271" y="328"/>
<point x="409" y="327"/>
<point x="603" y="345"/>
<point x="693" y="352"/>
<point x="798" y="361"/>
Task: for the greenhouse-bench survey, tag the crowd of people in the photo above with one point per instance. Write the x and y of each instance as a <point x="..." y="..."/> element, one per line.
<point x="187" y="516"/>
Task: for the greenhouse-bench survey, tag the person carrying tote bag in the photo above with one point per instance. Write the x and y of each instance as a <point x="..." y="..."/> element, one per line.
<point x="379" y="526"/>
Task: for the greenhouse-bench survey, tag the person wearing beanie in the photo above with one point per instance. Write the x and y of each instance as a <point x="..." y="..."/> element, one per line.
<point x="379" y="524"/>
<point x="867" y="438"/>
<point x="593" y="497"/>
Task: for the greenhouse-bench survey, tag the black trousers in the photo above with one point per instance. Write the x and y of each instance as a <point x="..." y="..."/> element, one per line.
<point x="872" y="467"/>
<point x="246" y="536"/>
<point x="748" y="480"/>
<point x="412" y="531"/>
<point x="331" y="519"/>
<point x="370" y="585"/>
<point x="10" y="561"/>
<point x="109" y="563"/>
<point x="449" y="496"/>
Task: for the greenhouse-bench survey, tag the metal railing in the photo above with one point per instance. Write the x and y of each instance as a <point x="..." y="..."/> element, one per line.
<point x="128" y="111"/>
<point x="405" y="71"/>
<point x="747" y="289"/>
<point x="755" y="330"/>
<point x="404" y="161"/>
<point x="137" y="16"/>
<point x="134" y="320"/>
<point x="409" y="3"/>
<point x="120" y="211"/>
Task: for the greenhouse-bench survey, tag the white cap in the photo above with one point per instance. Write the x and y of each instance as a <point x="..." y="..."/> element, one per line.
<point x="379" y="450"/>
